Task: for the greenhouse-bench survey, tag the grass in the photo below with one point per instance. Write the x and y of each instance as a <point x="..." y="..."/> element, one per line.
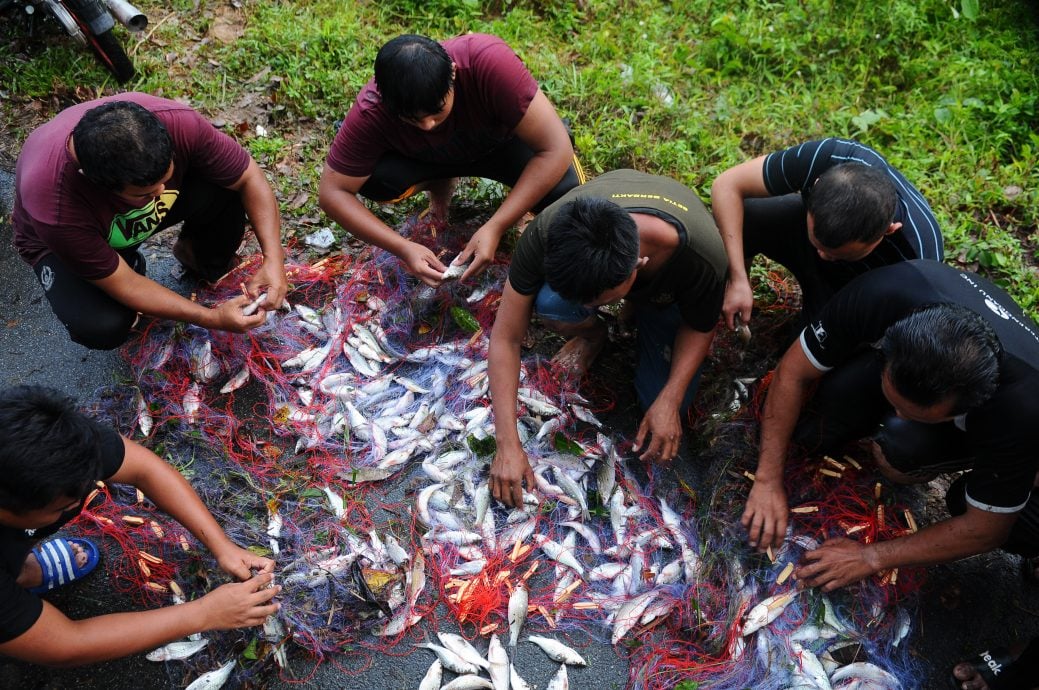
<point x="683" y="89"/>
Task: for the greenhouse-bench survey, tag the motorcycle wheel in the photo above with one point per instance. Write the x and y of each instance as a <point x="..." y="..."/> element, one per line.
<point x="105" y="46"/>
<point x="111" y="54"/>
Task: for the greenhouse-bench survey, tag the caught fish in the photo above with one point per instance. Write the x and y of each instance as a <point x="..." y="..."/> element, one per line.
<point x="401" y="620"/>
<point x="767" y="611"/>
<point x="469" y="682"/>
<point x="560" y="681"/>
<point x="177" y="651"/>
<point x="360" y="475"/>
<point x="274" y="632"/>
<point x="497" y="664"/>
<point x="517" y="612"/>
<point x="451" y="661"/>
<point x="453" y="270"/>
<point x="335" y="501"/>
<point x="460" y="646"/>
<point x="557" y="651"/>
<point x="629" y="613"/>
<point x="516" y="682"/>
<point x="213" y="680"/>
<point x="204" y="366"/>
<point x="866" y="675"/>
<point x="434" y="676"/>
<point x="254" y="306"/>
<point x="559" y="554"/>
<point x="144" y="417"/>
<point x="192" y="403"/>
<point x="236" y="381"/>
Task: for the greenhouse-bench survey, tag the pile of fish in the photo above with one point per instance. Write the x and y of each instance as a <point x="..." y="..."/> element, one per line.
<point x="350" y="387"/>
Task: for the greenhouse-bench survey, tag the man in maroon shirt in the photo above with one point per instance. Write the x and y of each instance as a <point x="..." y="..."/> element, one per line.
<point x="435" y="112"/>
<point x="102" y="177"/>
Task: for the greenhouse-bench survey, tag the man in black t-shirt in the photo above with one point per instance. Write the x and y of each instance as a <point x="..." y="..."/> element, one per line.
<point x="50" y="457"/>
<point x="626" y="234"/>
<point x="827" y="210"/>
<point x="940" y="367"/>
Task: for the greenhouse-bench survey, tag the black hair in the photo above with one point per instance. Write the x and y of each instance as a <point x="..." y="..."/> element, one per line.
<point x="943" y="352"/>
<point x="48" y="449"/>
<point x="593" y="246"/>
<point x="122" y="143"/>
<point x="414" y="74"/>
<point x="852" y="202"/>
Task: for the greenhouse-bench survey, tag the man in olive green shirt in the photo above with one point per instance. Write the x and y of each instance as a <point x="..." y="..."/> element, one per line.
<point x="626" y="234"/>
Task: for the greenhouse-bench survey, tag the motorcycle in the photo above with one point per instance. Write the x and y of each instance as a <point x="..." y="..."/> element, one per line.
<point x="90" y="23"/>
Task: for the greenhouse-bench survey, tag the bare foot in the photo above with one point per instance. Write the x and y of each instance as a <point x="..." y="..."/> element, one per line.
<point x="440" y="193"/>
<point x="32" y="572"/>
<point x="578" y="353"/>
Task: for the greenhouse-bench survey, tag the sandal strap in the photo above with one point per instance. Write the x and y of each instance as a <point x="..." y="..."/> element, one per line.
<point x="55" y="557"/>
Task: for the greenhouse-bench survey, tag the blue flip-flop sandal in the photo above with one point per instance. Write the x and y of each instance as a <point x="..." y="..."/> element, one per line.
<point x="58" y="562"/>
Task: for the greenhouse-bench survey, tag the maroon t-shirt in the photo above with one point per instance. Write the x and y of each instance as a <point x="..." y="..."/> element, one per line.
<point x="57" y="210"/>
<point x="492" y="91"/>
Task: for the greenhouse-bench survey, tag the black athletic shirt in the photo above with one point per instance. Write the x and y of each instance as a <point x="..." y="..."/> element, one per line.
<point x="694" y="276"/>
<point x="19" y="609"/>
<point x="797" y="168"/>
<point x="1003" y="434"/>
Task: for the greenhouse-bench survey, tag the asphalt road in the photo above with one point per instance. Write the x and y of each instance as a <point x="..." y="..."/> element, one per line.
<point x="978" y="603"/>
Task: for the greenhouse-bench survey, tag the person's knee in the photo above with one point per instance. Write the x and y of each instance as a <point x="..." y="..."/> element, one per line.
<point x="104" y="331"/>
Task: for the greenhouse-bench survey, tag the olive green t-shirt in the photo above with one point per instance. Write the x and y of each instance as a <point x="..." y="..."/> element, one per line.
<point x="694" y="276"/>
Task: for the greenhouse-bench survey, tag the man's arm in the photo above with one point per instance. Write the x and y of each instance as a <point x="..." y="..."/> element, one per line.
<point x="172" y="494"/>
<point x="662" y="423"/>
<point x="262" y="209"/>
<point x="55" y="640"/>
<point x="142" y="294"/>
<point x="543" y="131"/>
<point x="841" y="562"/>
<point x="743" y="181"/>
<point x="337" y="196"/>
<point x="510" y="466"/>
<point x="765" y="517"/>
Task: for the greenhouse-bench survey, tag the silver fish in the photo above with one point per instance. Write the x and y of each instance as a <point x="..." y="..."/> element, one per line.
<point x="516" y="681"/>
<point x="767" y="611"/>
<point x="254" y="306"/>
<point x="176" y="651"/>
<point x="236" y="381"/>
<point x="204" y="366"/>
<point x="629" y="613"/>
<point x="192" y="403"/>
<point x="557" y="651"/>
<point x="559" y="554"/>
<point x="451" y="661"/>
<point x="460" y="646"/>
<point x="469" y="682"/>
<point x="213" y="680"/>
<point x="517" y="612"/>
<point x="808" y="673"/>
<point x="144" y="417"/>
<point x="433" y="677"/>
<point x="336" y="502"/>
<point x="560" y="681"/>
<point x="498" y="664"/>
<point x="861" y="671"/>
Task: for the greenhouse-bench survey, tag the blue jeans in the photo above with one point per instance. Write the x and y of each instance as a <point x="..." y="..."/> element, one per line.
<point x="656" y="336"/>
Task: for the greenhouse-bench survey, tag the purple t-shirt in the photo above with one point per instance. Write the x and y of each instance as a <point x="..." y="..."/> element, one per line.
<point x="492" y="92"/>
<point x="57" y="210"/>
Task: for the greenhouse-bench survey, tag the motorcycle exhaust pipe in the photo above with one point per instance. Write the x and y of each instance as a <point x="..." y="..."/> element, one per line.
<point x="129" y="15"/>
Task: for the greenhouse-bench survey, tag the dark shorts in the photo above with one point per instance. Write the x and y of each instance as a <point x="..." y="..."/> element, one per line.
<point x="656" y="331"/>
<point x="214" y="224"/>
<point x="396" y="176"/>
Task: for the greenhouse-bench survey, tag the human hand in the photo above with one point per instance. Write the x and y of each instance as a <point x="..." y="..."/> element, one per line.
<point x="230" y="316"/>
<point x="270" y="278"/>
<point x="739" y="299"/>
<point x="509" y="470"/>
<point x="838" y="562"/>
<point x="480" y="249"/>
<point x="422" y="263"/>
<point x="239" y="562"/>
<point x="662" y="427"/>
<point x="241" y="604"/>
<point x="765" y="515"/>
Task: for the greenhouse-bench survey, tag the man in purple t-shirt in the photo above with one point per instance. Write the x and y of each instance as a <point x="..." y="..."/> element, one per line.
<point x="100" y="178"/>
<point x="435" y="112"/>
